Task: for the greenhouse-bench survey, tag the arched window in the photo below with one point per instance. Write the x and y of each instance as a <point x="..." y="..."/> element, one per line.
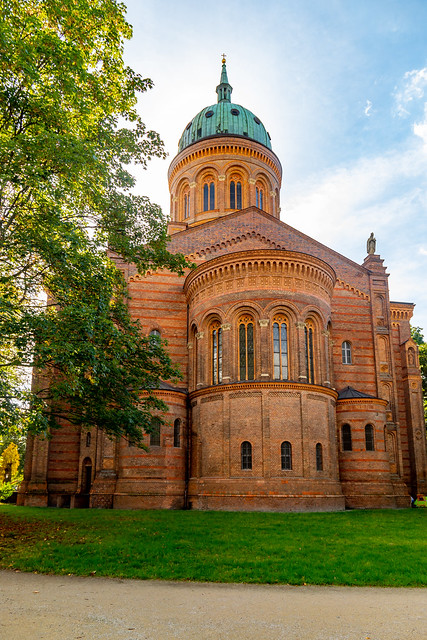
<point x="369" y="438"/>
<point x="259" y="194"/>
<point x="88" y="439"/>
<point x="177" y="433"/>
<point x="155" y="432"/>
<point x="235" y="195"/>
<point x="286" y="455"/>
<point x="155" y="333"/>
<point x="246" y="348"/>
<point x="346" y="438"/>
<point x="280" y="348"/>
<point x="346" y="352"/>
<point x="186" y="205"/>
<point x="319" y="457"/>
<point x="309" y="352"/>
<point x="216" y="342"/>
<point x="246" y="455"/>
<point x="194" y="350"/>
<point x="208" y="196"/>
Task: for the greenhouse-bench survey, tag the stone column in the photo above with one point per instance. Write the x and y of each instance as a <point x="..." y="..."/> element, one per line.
<point x="227" y="353"/>
<point x="193" y="194"/>
<point x="201" y="359"/>
<point x="265" y="350"/>
<point x="251" y="193"/>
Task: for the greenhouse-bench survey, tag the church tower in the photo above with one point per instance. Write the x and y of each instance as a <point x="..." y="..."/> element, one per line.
<point x="224" y="164"/>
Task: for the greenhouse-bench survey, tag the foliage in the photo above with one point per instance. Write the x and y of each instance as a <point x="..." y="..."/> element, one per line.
<point x="385" y="548"/>
<point x="9" y="458"/>
<point x="68" y="129"/>
<point x="418" y="337"/>
<point x="9" y="471"/>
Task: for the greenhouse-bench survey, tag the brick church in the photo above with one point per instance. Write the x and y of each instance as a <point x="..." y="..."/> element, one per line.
<point x="301" y="385"/>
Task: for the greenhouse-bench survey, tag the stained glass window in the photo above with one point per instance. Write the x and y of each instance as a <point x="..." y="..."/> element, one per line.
<point x="280" y="348"/>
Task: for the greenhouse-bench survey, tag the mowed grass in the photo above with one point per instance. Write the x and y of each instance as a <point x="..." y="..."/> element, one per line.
<point x="385" y="548"/>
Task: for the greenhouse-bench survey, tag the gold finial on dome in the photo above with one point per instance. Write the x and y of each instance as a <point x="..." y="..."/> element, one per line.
<point x="223" y="58"/>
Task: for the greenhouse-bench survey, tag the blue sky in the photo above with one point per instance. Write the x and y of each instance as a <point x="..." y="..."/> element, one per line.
<point x="341" y="85"/>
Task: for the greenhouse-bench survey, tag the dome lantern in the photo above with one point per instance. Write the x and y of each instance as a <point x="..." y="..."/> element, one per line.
<point x="224" y="119"/>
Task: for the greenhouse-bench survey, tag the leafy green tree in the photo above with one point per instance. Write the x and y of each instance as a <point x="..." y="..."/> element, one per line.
<point x="417" y="336"/>
<point x="68" y="130"/>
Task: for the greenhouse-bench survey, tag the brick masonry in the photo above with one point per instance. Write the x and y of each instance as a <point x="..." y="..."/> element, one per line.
<point x="252" y="266"/>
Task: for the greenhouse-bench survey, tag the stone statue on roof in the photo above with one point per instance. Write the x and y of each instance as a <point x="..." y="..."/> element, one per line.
<point x="371" y="244"/>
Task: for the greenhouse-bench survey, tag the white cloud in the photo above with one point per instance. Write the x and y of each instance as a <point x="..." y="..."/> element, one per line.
<point x="420" y="128"/>
<point x="368" y="108"/>
<point x="386" y="194"/>
<point x="412" y="89"/>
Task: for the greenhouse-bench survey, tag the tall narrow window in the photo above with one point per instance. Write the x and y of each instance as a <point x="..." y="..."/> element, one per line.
<point x="280" y="348"/>
<point x="319" y="457"/>
<point x="246" y="348"/>
<point x="155" y="432"/>
<point x="346" y="438"/>
<point x="187" y="205"/>
<point x="232" y="195"/>
<point x="259" y="195"/>
<point x="235" y="195"/>
<point x="286" y="456"/>
<point x="369" y="438"/>
<point x="346" y="352"/>
<point x="88" y="439"/>
<point x="177" y="433"/>
<point x="246" y="455"/>
<point x="239" y="195"/>
<point x="206" y="197"/>
<point x="309" y="356"/>
<point x="216" y="353"/>
<point x="211" y="196"/>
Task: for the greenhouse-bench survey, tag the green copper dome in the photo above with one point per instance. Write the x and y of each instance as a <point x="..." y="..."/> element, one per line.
<point x="224" y="118"/>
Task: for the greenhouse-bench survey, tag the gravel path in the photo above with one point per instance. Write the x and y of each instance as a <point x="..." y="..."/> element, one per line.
<point x="70" y="608"/>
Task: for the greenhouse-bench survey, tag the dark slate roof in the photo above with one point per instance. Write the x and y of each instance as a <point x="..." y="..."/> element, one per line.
<point x="165" y="386"/>
<point x="349" y="392"/>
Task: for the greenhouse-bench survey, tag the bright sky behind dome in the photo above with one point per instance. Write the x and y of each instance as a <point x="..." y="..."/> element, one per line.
<point x="341" y="86"/>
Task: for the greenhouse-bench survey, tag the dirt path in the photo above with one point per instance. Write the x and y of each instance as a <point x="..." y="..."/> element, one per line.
<point x="70" y="608"/>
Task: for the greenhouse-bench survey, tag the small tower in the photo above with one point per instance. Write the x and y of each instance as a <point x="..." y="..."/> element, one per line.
<point x="224" y="164"/>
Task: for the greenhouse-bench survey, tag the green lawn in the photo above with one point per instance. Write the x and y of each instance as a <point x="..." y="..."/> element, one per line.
<point x="385" y="548"/>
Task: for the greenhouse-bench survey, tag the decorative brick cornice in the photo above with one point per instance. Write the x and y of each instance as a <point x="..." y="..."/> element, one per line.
<point x="349" y="287"/>
<point x="401" y="311"/>
<point x="261" y="269"/>
<point x="205" y="252"/>
<point x="358" y="401"/>
<point x="225" y="146"/>
<point x="259" y="386"/>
